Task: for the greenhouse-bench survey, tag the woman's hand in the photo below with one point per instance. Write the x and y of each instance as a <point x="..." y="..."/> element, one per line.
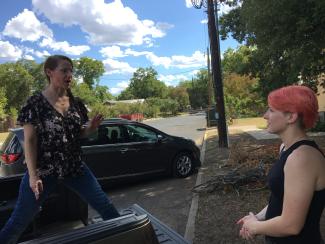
<point x="95" y="121"/>
<point x="36" y="184"/>
<point x="247" y="229"/>
<point x="92" y="126"/>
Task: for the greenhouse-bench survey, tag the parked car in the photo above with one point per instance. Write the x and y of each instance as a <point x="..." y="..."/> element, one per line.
<point x="119" y="149"/>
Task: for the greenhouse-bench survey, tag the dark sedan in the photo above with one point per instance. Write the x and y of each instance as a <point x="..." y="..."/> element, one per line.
<point x="119" y="149"/>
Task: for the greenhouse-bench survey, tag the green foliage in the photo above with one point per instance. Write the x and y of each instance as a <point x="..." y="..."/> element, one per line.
<point x="320" y="126"/>
<point x="241" y="98"/>
<point x="3" y="103"/>
<point x="17" y="83"/>
<point x="86" y="94"/>
<point x="144" y="84"/>
<point x="169" y="106"/>
<point x="180" y="95"/>
<point x="289" y="36"/>
<point x="126" y="95"/>
<point x="89" y="70"/>
<point x="36" y="71"/>
<point x="238" y="60"/>
<point x="198" y="89"/>
<point x="150" y="111"/>
<point x="102" y="93"/>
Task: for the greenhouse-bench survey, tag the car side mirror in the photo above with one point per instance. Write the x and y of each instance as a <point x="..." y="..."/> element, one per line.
<point x="159" y="138"/>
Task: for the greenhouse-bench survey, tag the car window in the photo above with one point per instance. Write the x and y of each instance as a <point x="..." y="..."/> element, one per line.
<point x="105" y="134"/>
<point x="140" y="134"/>
<point x="11" y="144"/>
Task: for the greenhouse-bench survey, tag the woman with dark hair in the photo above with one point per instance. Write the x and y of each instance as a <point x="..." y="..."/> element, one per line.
<point x="297" y="178"/>
<point x="52" y="121"/>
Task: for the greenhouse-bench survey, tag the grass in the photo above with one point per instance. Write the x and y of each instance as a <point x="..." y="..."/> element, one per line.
<point x="3" y="136"/>
<point x="259" y="122"/>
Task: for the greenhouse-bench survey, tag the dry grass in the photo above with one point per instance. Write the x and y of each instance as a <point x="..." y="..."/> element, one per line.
<point x="258" y="122"/>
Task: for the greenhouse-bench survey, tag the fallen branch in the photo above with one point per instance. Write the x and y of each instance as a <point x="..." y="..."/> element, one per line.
<point x="235" y="179"/>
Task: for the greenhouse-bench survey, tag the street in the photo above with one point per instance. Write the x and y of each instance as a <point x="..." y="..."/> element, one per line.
<point x="167" y="198"/>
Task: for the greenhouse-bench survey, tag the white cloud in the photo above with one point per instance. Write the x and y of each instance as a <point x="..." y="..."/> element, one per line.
<point x="27" y="27"/>
<point x="224" y="9"/>
<point x="204" y="21"/>
<point x="116" y="67"/>
<point x="9" y="52"/>
<point x="189" y="3"/>
<point x="105" y="23"/>
<point x="169" y="80"/>
<point x="196" y="60"/>
<point x="157" y="61"/>
<point x="29" y="57"/>
<point x="64" y="46"/>
<point x="119" y="87"/>
<point x="42" y="54"/>
<point x="194" y="72"/>
<point x="37" y="53"/>
<point x="136" y="53"/>
<point x="112" y="52"/>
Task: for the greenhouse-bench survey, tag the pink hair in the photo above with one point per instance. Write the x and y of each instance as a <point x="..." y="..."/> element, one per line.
<point x="296" y="99"/>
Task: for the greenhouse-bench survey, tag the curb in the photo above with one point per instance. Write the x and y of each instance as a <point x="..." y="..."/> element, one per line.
<point x="190" y="226"/>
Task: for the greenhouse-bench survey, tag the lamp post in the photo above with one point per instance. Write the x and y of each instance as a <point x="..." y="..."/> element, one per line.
<point x="213" y="29"/>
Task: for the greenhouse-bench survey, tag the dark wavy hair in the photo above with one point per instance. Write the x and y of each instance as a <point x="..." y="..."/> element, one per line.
<point x="53" y="61"/>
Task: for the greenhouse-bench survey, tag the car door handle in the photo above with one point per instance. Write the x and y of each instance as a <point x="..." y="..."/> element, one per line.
<point x="124" y="150"/>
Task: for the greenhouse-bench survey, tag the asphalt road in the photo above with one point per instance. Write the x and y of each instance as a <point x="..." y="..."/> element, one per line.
<point x="168" y="199"/>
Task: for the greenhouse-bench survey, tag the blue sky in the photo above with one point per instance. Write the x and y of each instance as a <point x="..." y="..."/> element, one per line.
<point x="169" y="35"/>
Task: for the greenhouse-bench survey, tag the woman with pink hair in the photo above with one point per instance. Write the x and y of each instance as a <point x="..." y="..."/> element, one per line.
<point x="297" y="178"/>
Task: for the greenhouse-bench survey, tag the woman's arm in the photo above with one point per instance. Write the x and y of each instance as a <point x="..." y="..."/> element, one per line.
<point x="299" y="186"/>
<point x="30" y="148"/>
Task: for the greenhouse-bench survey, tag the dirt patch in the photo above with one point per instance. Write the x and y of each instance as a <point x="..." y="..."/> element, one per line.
<point x="219" y="210"/>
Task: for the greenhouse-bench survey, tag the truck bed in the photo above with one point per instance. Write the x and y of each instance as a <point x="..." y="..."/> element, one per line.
<point x="136" y="225"/>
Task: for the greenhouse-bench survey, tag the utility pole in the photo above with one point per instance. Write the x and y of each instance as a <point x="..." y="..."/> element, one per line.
<point x="216" y="66"/>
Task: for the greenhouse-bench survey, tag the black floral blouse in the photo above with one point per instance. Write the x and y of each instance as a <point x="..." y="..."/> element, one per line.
<point x="58" y="144"/>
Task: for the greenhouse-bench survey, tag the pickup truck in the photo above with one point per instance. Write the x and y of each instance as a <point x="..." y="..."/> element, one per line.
<point x="135" y="225"/>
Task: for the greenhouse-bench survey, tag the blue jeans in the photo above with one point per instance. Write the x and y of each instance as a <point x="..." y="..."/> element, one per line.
<point x="27" y="206"/>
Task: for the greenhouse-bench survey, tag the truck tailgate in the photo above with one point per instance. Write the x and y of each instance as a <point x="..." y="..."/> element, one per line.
<point x="164" y="233"/>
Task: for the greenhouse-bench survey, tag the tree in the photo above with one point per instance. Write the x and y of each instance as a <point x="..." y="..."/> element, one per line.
<point x="289" y="36"/>
<point x="238" y="60"/>
<point x="89" y="70"/>
<point x="3" y="103"/>
<point x="241" y="97"/>
<point x="35" y="70"/>
<point x="144" y="84"/>
<point x="180" y="95"/>
<point x="17" y="83"/>
<point x="102" y="93"/>
<point x="126" y="95"/>
<point x="197" y="89"/>
<point x="83" y="91"/>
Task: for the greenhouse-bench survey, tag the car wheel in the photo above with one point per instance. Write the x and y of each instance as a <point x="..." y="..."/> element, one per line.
<point x="183" y="165"/>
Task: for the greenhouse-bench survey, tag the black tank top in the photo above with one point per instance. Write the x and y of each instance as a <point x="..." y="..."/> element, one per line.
<point x="311" y="231"/>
